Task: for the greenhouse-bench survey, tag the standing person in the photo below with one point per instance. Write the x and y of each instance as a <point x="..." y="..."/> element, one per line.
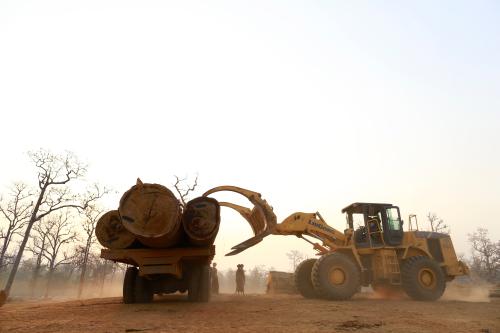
<point x="215" y="279"/>
<point x="240" y="280"/>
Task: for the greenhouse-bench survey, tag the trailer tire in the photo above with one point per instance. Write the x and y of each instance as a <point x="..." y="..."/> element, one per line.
<point x="129" y="285"/>
<point x="193" y="283"/>
<point x="143" y="290"/>
<point x="204" y="289"/>
<point x="199" y="283"/>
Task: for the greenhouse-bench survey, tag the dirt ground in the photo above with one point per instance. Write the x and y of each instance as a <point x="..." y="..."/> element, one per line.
<point x="251" y="313"/>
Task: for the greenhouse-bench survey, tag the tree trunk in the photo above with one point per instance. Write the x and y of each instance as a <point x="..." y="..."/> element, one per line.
<point x="49" y="282"/>
<point x="19" y="255"/>
<point x="103" y="277"/>
<point x="84" y="267"/>
<point x="4" y="249"/>
<point x="34" y="280"/>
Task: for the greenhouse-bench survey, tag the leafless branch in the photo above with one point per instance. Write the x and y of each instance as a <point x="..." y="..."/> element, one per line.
<point x="183" y="192"/>
<point x="17" y="211"/>
<point x="437" y="224"/>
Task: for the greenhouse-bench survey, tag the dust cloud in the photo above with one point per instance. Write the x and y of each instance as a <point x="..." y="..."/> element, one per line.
<point x="477" y="292"/>
<point x="65" y="290"/>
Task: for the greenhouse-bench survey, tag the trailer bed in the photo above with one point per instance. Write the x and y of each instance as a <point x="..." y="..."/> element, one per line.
<point x="160" y="261"/>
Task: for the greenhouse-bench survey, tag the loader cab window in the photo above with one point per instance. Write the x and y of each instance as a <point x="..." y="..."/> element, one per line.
<point x="393" y="219"/>
<point x="393" y="231"/>
<point x="358" y="220"/>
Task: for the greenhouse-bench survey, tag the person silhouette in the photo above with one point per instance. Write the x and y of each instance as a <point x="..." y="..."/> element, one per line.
<point x="215" y="279"/>
<point x="240" y="280"/>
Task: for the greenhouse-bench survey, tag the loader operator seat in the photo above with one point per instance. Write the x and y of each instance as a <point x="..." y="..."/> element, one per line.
<point x="361" y="233"/>
<point x="375" y="230"/>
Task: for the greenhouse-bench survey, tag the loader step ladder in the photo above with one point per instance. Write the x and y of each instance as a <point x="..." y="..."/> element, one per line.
<point x="392" y="263"/>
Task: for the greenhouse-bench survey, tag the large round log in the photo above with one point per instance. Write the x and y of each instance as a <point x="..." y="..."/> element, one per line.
<point x="152" y="213"/>
<point x="201" y="220"/>
<point x="111" y="233"/>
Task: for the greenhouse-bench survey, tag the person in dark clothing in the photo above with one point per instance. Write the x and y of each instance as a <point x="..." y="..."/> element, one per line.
<point x="215" y="279"/>
<point x="240" y="280"/>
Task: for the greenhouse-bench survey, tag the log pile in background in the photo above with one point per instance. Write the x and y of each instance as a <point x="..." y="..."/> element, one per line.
<point x="149" y="215"/>
<point x="280" y="283"/>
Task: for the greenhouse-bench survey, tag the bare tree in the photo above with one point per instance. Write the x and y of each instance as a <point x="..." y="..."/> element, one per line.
<point x="228" y="282"/>
<point x="257" y="278"/>
<point x="55" y="172"/>
<point x="37" y="248"/>
<point x="485" y="254"/>
<point x="295" y="258"/>
<point x="437" y="224"/>
<point x="16" y="210"/>
<point x="183" y="191"/>
<point x="92" y="214"/>
<point x="58" y="236"/>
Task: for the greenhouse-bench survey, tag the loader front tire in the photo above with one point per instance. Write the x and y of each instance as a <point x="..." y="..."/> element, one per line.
<point x="303" y="281"/>
<point x="336" y="276"/>
<point x="422" y="278"/>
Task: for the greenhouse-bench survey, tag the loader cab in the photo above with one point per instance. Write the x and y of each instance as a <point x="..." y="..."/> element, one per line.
<point x="381" y="224"/>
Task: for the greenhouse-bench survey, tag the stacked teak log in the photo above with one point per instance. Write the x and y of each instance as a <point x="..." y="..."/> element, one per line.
<point x="149" y="215"/>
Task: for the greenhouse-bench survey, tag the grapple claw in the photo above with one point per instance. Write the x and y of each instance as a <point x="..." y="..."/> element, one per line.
<point x="261" y="217"/>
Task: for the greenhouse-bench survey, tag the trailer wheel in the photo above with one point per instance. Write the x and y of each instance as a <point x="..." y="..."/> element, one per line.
<point x="204" y="288"/>
<point x="143" y="290"/>
<point x="129" y="285"/>
<point x="199" y="283"/>
<point x="193" y="283"/>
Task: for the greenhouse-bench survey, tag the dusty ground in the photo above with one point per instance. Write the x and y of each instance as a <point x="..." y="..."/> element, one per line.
<point x="254" y="313"/>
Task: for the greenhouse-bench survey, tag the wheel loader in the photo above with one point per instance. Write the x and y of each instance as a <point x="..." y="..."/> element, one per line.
<point x="377" y="253"/>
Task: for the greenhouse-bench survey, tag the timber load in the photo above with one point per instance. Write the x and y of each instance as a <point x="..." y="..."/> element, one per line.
<point x="150" y="216"/>
<point x="201" y="220"/>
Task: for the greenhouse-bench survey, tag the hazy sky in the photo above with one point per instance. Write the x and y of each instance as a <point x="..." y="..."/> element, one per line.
<point x="315" y="104"/>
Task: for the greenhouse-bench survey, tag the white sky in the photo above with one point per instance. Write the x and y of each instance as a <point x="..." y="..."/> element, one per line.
<point x="314" y="104"/>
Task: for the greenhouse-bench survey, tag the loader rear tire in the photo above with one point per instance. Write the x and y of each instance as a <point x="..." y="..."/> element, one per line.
<point x="422" y="278"/>
<point x="336" y="276"/>
<point x="129" y="285"/>
<point x="303" y="281"/>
